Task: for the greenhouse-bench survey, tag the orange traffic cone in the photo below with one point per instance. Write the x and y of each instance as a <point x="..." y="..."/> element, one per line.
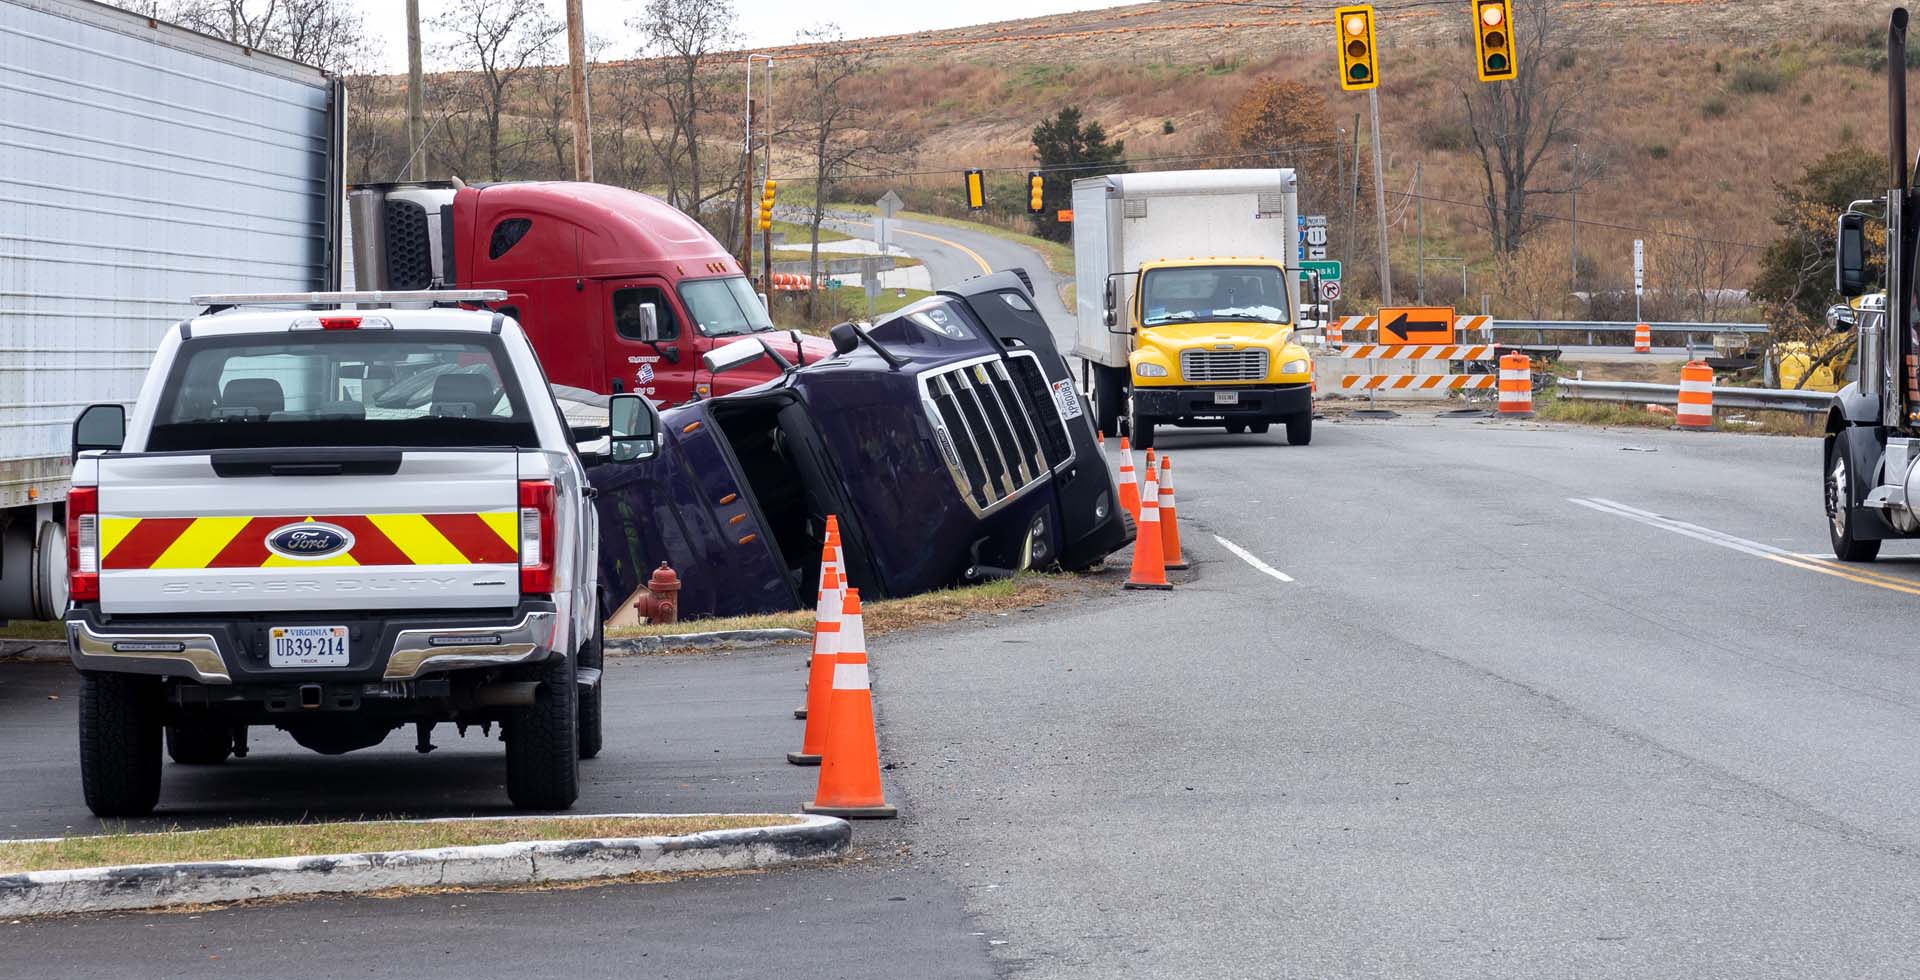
<point x="1100" y="436"/>
<point x="831" y="559"/>
<point x="1129" y="490"/>
<point x="1149" y="561"/>
<point x="850" y="774"/>
<point x="1169" y="517"/>
<point x="826" y="642"/>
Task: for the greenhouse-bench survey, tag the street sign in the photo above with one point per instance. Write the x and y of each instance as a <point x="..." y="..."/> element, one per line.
<point x="1416" y="325"/>
<point x="1639" y="267"/>
<point x="1316" y="253"/>
<point x="883" y="233"/>
<point x="1316" y="221"/>
<point x="1329" y="290"/>
<point x="833" y="284"/>
<point x="1064" y="216"/>
<point x="889" y="204"/>
<point x="1327" y="269"/>
<point x="1317" y="235"/>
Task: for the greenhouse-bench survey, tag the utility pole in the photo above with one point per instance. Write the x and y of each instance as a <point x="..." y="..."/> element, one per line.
<point x="1573" y="279"/>
<point x="416" y="99"/>
<point x="746" y="190"/>
<point x="1352" y="193"/>
<point x="582" y="106"/>
<point x="1380" y="200"/>
<point x="1419" y="237"/>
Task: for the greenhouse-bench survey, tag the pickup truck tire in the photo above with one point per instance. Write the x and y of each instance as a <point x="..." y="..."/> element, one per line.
<point x="1299" y="429"/>
<point x="199" y="743"/>
<point x="543" y="742"/>
<point x="120" y="743"/>
<point x="593" y="654"/>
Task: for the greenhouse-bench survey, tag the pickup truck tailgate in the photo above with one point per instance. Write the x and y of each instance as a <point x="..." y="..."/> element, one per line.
<point x="375" y="529"/>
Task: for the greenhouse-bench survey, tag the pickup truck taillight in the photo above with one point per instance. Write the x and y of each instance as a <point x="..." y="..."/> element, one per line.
<point x="83" y="544"/>
<point x="536" y="536"/>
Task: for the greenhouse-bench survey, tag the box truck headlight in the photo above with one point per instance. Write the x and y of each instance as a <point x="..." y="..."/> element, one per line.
<point x="1147" y="370"/>
<point x="1295" y="367"/>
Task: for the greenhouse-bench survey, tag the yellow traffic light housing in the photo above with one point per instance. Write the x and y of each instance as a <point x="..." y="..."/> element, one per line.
<point x="766" y="204"/>
<point x="1493" y="39"/>
<point x="1359" y="65"/>
<point x="1036" y="193"/>
<point x="976" y="190"/>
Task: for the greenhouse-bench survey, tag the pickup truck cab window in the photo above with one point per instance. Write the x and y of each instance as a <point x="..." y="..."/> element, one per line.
<point x="340" y="388"/>
<point x="725" y="307"/>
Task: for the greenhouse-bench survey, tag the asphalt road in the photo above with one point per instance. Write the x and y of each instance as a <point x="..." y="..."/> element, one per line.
<point x="1498" y="700"/>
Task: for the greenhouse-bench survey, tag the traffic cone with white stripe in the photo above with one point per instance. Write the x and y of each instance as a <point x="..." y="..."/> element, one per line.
<point x="1149" y="557"/>
<point x="1169" y="518"/>
<point x="832" y="560"/>
<point x="826" y="643"/>
<point x="1129" y="489"/>
<point x="850" y="772"/>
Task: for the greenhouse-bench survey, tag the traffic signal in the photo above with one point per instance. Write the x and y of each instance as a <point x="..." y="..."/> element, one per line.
<point x="1358" y="64"/>
<point x="976" y="190"/>
<point x="766" y="205"/>
<point x="1036" y="190"/>
<point x="1493" y="39"/>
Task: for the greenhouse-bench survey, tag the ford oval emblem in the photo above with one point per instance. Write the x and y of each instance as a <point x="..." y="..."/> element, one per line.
<point x="309" y="540"/>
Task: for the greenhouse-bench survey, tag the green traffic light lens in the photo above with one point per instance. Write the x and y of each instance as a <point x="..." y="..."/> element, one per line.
<point x="1496" y="64"/>
<point x="1358" y="73"/>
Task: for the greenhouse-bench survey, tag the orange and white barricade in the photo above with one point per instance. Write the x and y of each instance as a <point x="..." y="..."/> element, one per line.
<point x="1516" y="385"/>
<point x="1695" y="408"/>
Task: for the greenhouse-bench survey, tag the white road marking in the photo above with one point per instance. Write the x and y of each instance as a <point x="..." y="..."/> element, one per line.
<point x="1247" y="556"/>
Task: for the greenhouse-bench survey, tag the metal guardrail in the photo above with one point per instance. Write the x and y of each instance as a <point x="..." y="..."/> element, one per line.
<point x="1636" y="392"/>
<point x="1592" y="329"/>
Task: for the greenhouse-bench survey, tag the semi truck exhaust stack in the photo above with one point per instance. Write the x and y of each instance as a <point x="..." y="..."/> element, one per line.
<point x="402" y="235"/>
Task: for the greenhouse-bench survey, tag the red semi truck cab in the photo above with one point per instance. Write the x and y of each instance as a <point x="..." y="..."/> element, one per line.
<point x="579" y="263"/>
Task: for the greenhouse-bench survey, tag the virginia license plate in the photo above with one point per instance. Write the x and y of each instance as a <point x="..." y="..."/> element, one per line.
<point x="307" y="646"/>
<point x="1226" y="398"/>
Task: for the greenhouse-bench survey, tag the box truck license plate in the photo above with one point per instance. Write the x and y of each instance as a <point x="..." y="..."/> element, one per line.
<point x="1226" y="398"/>
<point x="307" y="646"/>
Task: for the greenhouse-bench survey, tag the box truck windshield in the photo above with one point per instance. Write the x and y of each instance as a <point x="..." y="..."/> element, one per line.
<point x="1241" y="293"/>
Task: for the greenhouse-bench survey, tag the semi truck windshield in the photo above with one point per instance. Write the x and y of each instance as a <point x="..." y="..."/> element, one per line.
<point x="1203" y="293"/>
<point x="725" y="307"/>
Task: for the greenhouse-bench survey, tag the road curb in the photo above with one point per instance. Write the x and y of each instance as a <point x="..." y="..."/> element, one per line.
<point x="151" y="886"/>
<point x="34" y="651"/>
<point x="676" y="641"/>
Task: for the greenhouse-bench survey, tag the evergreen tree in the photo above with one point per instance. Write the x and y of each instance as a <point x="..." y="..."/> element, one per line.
<point x="1068" y="150"/>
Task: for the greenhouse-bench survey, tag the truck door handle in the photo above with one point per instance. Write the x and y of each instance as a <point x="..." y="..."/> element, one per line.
<point x="618" y="386"/>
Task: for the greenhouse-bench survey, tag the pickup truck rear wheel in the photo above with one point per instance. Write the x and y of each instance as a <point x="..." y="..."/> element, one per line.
<point x="543" y="742"/>
<point x="120" y="744"/>
<point x="199" y="743"/>
<point x="593" y="655"/>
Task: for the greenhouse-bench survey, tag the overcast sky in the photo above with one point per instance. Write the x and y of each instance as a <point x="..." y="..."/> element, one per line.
<point x="764" y="22"/>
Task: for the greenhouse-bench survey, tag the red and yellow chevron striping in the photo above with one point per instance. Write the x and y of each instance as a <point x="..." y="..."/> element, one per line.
<point x="486" y="538"/>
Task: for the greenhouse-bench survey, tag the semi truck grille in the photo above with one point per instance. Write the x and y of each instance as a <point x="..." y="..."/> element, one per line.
<point x="409" y="253"/>
<point x="1000" y="428"/>
<point x="1223" y="365"/>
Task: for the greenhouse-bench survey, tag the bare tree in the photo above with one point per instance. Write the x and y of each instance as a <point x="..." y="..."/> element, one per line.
<point x="1692" y="271"/>
<point x="682" y="41"/>
<point x="833" y="120"/>
<point x="1516" y="123"/>
<point x="328" y="33"/>
<point x="494" y="43"/>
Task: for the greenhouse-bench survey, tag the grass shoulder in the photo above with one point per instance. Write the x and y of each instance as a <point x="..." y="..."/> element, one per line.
<point x="255" y="841"/>
<point x="891" y="615"/>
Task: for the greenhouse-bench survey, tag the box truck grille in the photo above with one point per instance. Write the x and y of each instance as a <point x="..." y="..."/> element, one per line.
<point x="1223" y="365"/>
<point x="998" y="427"/>
<point x="409" y="251"/>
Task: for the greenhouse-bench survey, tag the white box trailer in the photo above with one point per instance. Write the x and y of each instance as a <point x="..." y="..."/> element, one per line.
<point x="140" y="164"/>
<point x="1212" y="343"/>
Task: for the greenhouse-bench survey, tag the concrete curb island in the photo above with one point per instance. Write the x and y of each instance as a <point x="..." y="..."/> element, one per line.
<point x="148" y="886"/>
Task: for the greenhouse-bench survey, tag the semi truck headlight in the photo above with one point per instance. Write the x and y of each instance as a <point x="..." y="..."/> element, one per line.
<point x="1295" y="367"/>
<point x="1147" y="370"/>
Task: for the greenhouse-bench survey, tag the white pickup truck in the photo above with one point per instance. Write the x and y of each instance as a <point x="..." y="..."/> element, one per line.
<point x="337" y="522"/>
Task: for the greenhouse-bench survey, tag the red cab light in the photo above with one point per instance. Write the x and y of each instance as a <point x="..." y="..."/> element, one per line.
<point x="339" y="323"/>
<point x="536" y="537"/>
<point x="83" y="544"/>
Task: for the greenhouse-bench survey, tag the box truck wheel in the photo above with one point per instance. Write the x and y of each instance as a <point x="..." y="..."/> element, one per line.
<point x="1107" y="390"/>
<point x="1300" y="429"/>
<point x="1139" y="427"/>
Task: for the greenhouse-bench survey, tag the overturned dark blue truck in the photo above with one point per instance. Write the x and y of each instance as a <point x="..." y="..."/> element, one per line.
<point x="947" y="439"/>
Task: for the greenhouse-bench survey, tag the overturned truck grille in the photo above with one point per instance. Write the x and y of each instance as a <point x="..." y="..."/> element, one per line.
<point x="998" y="426"/>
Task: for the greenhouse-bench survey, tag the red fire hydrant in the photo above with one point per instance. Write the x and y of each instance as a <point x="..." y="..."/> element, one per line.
<point x="661" y="604"/>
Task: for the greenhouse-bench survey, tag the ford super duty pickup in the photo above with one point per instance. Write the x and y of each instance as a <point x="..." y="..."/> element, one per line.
<point x="338" y="522"/>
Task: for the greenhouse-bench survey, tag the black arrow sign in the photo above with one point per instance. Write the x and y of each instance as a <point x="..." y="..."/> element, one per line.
<point x="1405" y="328"/>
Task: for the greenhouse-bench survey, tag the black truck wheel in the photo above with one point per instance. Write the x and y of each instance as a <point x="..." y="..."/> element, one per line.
<point x="543" y="742"/>
<point x="120" y="744"/>
<point x="199" y="743"/>
<point x="1841" y="492"/>
<point x="1300" y="429"/>
<point x="1108" y="395"/>
<point x="593" y="654"/>
<point x="1139" y="426"/>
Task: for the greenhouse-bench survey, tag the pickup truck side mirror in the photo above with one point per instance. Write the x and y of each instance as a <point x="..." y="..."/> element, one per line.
<point x="1850" y="256"/>
<point x="100" y="427"/>
<point x="634" y="427"/>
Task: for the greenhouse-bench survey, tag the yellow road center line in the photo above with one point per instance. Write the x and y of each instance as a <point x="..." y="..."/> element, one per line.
<point x="1910" y="589"/>
<point x="1887" y="577"/>
<point x="985" y="269"/>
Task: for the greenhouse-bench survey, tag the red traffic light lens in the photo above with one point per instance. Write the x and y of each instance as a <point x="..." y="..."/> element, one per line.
<point x="1492" y="15"/>
<point x="1356" y="25"/>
